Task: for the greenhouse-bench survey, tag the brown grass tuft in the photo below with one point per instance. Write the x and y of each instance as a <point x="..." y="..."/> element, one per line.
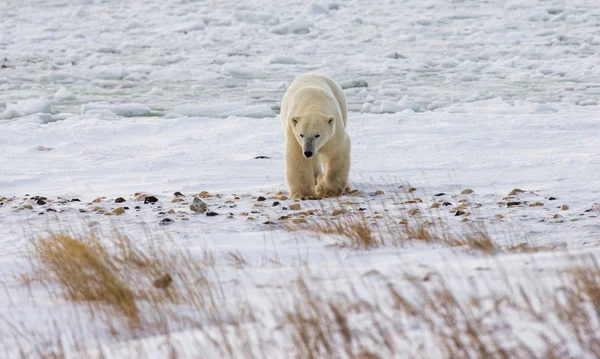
<point x="87" y="272"/>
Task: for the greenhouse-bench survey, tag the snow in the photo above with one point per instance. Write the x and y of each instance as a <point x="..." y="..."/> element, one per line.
<point x="111" y="98"/>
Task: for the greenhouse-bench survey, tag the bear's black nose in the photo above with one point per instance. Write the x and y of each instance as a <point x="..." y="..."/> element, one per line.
<point x="308" y="154"/>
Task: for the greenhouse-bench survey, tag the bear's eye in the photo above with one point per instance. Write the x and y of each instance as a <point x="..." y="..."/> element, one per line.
<point x="301" y="135"/>
<point x="317" y="136"/>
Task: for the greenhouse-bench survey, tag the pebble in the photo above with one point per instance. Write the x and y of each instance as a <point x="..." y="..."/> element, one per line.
<point x="198" y="205"/>
<point x="120" y="200"/>
<point x="165" y="221"/>
<point x="515" y="191"/>
<point x="211" y="214"/>
<point x="295" y="206"/>
<point x="467" y="191"/>
<point x="150" y="200"/>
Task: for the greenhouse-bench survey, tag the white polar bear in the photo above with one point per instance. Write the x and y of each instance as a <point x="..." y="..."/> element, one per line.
<point x="313" y="117"/>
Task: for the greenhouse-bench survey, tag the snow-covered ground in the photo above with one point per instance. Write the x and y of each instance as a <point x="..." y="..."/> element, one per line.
<point x="107" y="99"/>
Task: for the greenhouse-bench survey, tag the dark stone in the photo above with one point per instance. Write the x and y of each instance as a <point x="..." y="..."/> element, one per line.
<point x="514" y="203"/>
<point x="178" y="194"/>
<point x="211" y="214"/>
<point x="362" y="209"/>
<point x="41" y="202"/>
<point x="150" y="199"/>
<point x="50" y="210"/>
<point x="261" y="158"/>
<point x="162" y="213"/>
<point x="125" y="207"/>
<point x="255" y="212"/>
<point x="439" y="194"/>
<point x="137" y="207"/>
<point x="285" y="208"/>
<point x="459" y="213"/>
<point x="165" y="221"/>
<point x="120" y="200"/>
<point x="446" y="204"/>
<point x="552" y="198"/>
<point x="261" y="199"/>
<point x="275" y="204"/>
<point x="75" y="200"/>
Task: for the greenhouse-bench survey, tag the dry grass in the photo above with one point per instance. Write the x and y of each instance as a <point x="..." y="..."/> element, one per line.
<point x="87" y="271"/>
<point x="116" y="276"/>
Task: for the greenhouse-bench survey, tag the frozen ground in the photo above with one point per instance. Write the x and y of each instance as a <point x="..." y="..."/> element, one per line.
<point x="105" y="99"/>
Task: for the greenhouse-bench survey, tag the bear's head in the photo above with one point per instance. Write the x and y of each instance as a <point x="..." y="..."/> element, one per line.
<point x="312" y="132"/>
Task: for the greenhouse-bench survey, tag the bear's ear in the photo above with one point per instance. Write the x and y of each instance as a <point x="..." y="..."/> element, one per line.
<point x="294" y="120"/>
<point x="330" y="119"/>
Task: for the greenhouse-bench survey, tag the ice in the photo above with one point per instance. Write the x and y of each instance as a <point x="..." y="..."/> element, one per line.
<point x="282" y="59"/>
<point x="109" y="72"/>
<point x="316" y="9"/>
<point x="125" y="110"/>
<point x="254" y="17"/>
<point x="63" y="95"/>
<point x="27" y="107"/>
<point x="225" y="110"/>
<point x="296" y="26"/>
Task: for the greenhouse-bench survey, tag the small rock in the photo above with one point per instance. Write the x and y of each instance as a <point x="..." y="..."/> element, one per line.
<point x="439" y="194"/>
<point x="551" y="198"/>
<point x="165" y="221"/>
<point x="120" y="200"/>
<point x="282" y="218"/>
<point x="268" y="222"/>
<point x="40" y="202"/>
<point x="97" y="200"/>
<point x="177" y="200"/>
<point x="513" y="203"/>
<point x="515" y="192"/>
<point x="178" y="194"/>
<point x="198" y="205"/>
<point x="299" y="220"/>
<point x="379" y="192"/>
<point x="435" y="205"/>
<point x="140" y="197"/>
<point x="467" y="191"/>
<point x="118" y="211"/>
<point x="362" y="209"/>
<point x="150" y="200"/>
<point x="536" y="204"/>
<point x="459" y="213"/>
<point x="81" y="210"/>
<point x="163" y="281"/>
<point x="411" y="190"/>
<point x="50" y="210"/>
<point x="171" y="211"/>
<point x="564" y="207"/>
<point x="261" y="158"/>
<point x="295" y="206"/>
<point x="499" y="216"/>
<point x="413" y="211"/>
<point x="211" y="214"/>
<point x="137" y="207"/>
<point x="275" y="204"/>
<point x="337" y="212"/>
<point x="28" y="206"/>
<point x="556" y="215"/>
<point x="446" y="204"/>
<point x="250" y="218"/>
<point x="261" y="199"/>
<point x="75" y="200"/>
<point x="204" y="194"/>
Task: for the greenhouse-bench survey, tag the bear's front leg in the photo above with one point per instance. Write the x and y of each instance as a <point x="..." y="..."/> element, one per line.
<point x="335" y="180"/>
<point x="299" y="174"/>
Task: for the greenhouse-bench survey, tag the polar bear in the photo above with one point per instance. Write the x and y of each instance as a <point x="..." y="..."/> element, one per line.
<point x="313" y="117"/>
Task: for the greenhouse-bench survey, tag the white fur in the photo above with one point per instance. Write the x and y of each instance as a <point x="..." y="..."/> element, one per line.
<point x="315" y="105"/>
